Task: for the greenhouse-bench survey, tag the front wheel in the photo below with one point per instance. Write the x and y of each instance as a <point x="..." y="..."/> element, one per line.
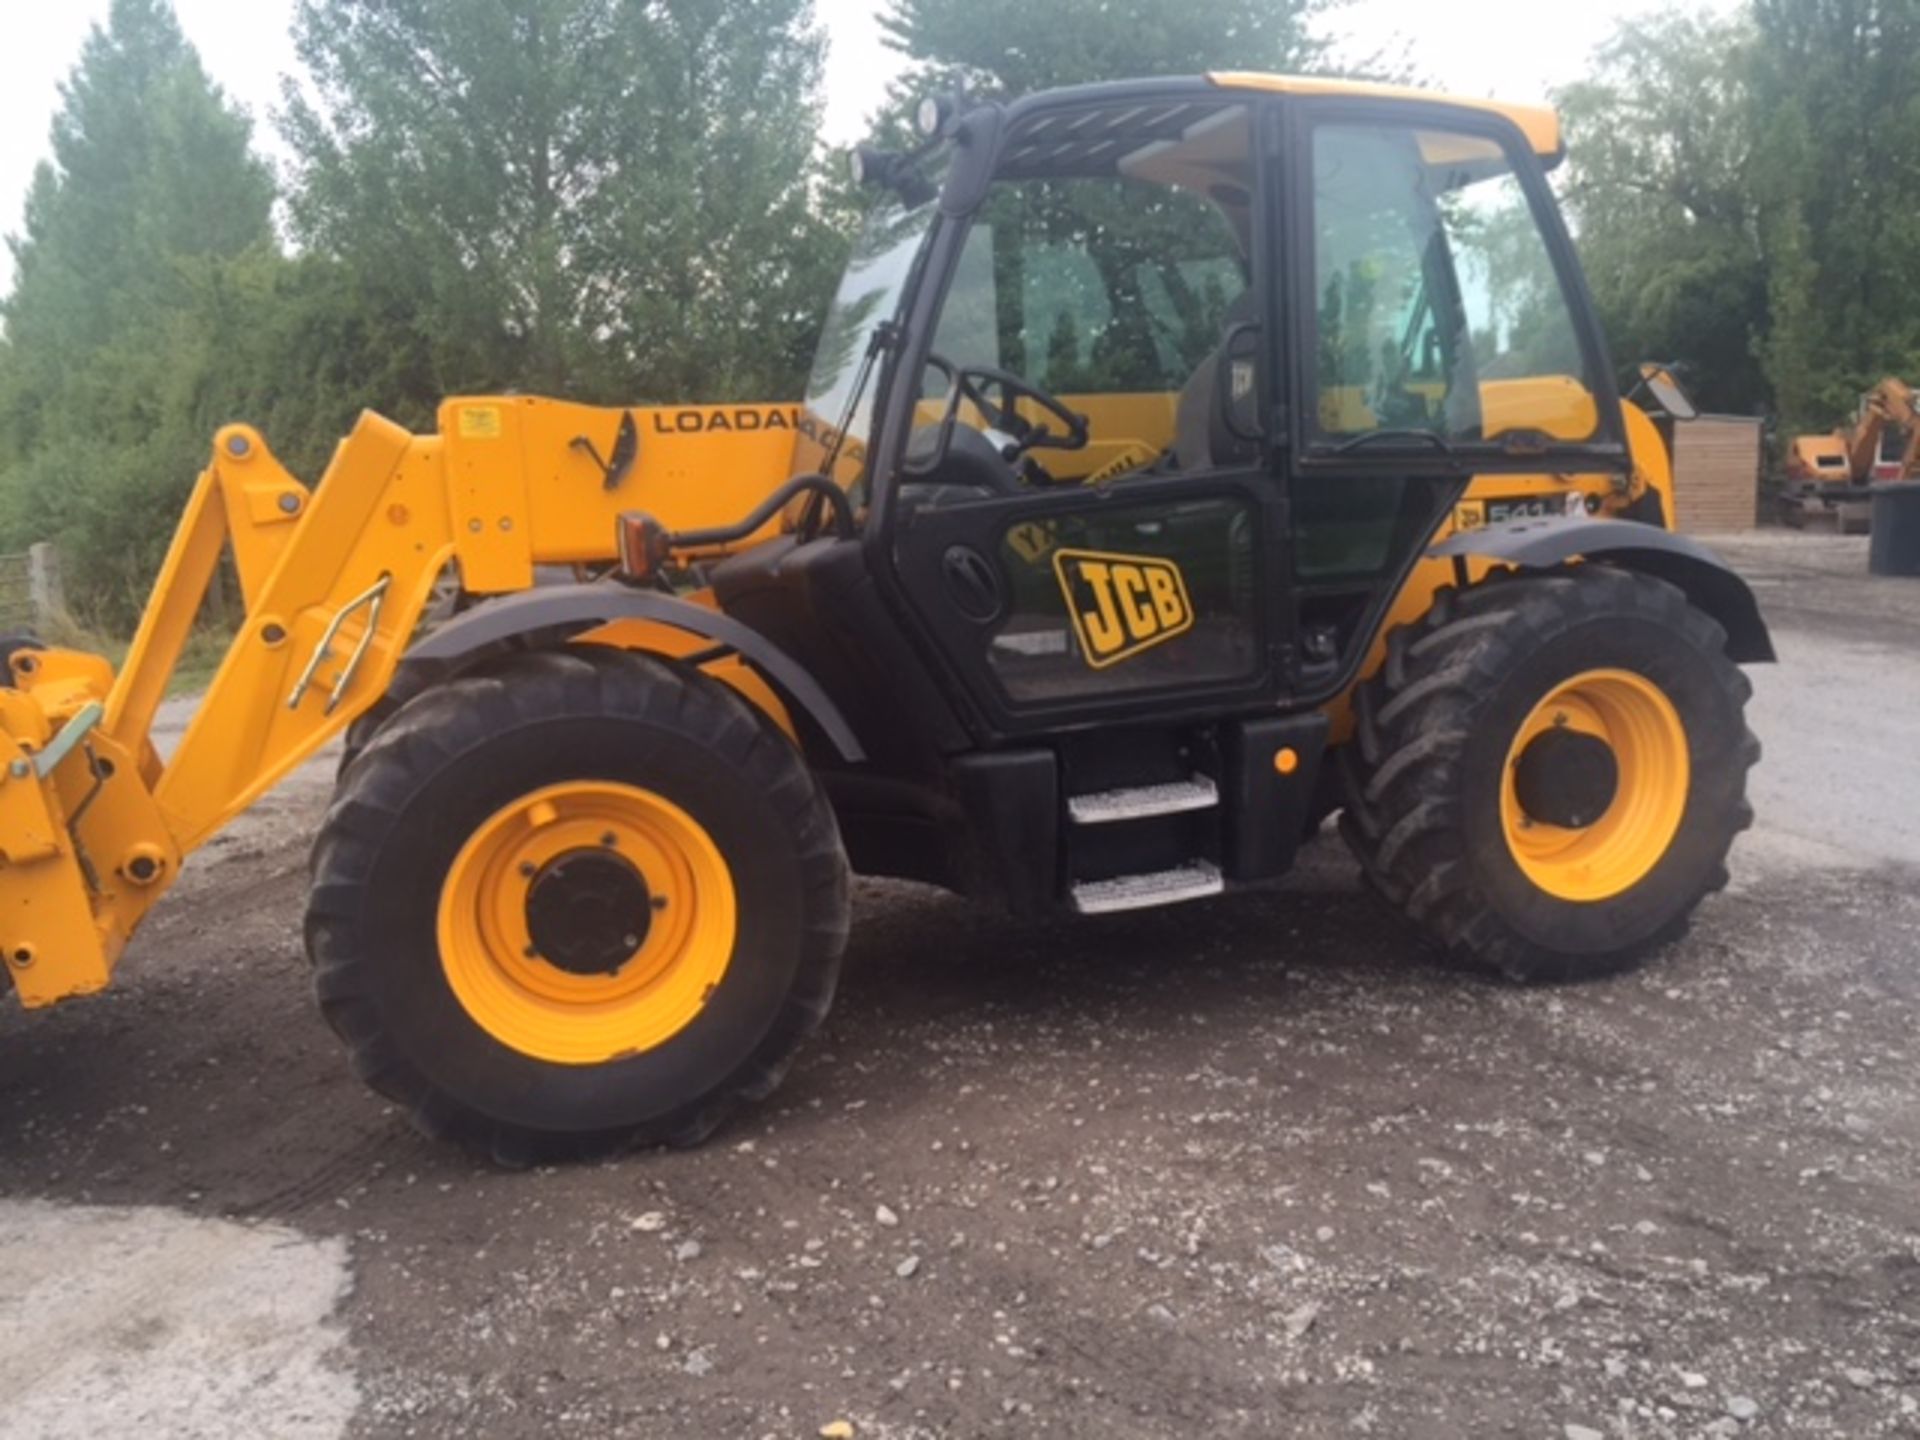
<point x="1547" y="773"/>
<point x="585" y="900"/>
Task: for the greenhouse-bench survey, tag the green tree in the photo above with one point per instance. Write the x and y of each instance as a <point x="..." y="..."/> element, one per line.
<point x="608" y="199"/>
<point x="1748" y="199"/>
<point x="1836" y="100"/>
<point x="118" y="358"/>
<point x="1015" y="46"/>
<point x="1661" y="193"/>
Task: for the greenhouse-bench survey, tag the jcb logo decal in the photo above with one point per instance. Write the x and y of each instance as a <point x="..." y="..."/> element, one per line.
<point x="1121" y="604"/>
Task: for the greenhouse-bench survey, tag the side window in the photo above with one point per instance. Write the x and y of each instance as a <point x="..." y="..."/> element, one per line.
<point x="1437" y="306"/>
<point x="1187" y="302"/>
<point x="1094" y="286"/>
<point x="1073" y="341"/>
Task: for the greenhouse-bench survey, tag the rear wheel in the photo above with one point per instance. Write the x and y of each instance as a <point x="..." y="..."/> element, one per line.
<point x="584" y="901"/>
<point x="1548" y="771"/>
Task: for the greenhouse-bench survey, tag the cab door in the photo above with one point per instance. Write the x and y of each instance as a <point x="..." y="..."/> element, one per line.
<point x="1118" y="265"/>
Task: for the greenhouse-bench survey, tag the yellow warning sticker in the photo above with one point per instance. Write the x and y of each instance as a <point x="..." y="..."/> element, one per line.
<point x="1031" y="540"/>
<point x="479" y="422"/>
<point x="1470" y="515"/>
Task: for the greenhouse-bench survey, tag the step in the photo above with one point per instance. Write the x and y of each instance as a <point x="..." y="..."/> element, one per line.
<point x="1195" y="880"/>
<point x="1141" y="801"/>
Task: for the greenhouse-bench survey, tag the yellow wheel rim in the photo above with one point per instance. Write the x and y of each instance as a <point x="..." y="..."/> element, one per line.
<point x="632" y="884"/>
<point x="1638" y="723"/>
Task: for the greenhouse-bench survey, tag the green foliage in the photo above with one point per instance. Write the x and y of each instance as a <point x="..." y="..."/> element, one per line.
<point x="1015" y="46"/>
<point x="1836" y="87"/>
<point x="117" y="359"/>
<point x="993" y="48"/>
<point x="1661" y="145"/>
<point x="599" y="198"/>
<point x="1748" y="200"/>
<point x="607" y="199"/>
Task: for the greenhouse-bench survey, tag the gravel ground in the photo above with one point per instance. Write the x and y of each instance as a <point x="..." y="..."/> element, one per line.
<point x="1254" y="1169"/>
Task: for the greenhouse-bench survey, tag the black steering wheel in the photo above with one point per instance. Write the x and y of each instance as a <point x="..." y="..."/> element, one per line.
<point x="964" y="457"/>
<point x="978" y="383"/>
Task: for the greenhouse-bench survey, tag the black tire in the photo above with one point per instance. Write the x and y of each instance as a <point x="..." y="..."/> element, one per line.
<point x="1423" y="771"/>
<point x="453" y="756"/>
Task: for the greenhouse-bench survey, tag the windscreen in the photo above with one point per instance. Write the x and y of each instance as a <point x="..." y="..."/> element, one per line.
<point x="840" y="389"/>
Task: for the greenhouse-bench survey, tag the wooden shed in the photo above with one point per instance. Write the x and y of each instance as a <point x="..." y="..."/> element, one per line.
<point x="1717" y="473"/>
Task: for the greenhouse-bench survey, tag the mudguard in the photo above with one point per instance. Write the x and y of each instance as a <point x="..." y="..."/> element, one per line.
<point x="559" y="609"/>
<point x="1709" y="582"/>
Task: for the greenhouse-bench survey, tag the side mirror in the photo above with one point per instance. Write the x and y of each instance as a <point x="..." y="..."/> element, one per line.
<point x="1667" y="392"/>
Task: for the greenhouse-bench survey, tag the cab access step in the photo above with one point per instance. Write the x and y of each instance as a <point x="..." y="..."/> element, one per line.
<point x="1141" y="802"/>
<point x="1195" y="880"/>
<point x="1162" y="817"/>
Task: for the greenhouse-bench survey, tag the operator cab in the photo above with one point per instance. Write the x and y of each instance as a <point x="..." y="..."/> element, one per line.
<point x="1147" y="398"/>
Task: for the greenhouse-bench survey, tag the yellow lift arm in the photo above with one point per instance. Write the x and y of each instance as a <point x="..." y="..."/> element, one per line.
<point x="94" y="824"/>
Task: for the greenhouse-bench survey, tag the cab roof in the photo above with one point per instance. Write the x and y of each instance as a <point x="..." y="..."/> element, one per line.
<point x="1539" y="123"/>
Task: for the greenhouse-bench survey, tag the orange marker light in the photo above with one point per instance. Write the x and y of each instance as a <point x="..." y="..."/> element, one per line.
<point x="1286" y="760"/>
<point x="642" y="545"/>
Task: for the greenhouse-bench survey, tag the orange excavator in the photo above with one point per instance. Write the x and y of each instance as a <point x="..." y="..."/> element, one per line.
<point x="1828" y="476"/>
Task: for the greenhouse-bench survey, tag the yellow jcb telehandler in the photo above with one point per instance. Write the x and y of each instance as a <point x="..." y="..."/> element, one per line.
<point x="1184" y="460"/>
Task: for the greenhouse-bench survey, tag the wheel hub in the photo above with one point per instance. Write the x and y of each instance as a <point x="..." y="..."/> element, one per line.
<point x="588" y="912"/>
<point x="1595" y="785"/>
<point x="1567" y="778"/>
<point x="586" y="920"/>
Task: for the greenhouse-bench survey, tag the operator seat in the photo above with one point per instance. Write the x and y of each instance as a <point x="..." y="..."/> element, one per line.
<point x="1202" y="439"/>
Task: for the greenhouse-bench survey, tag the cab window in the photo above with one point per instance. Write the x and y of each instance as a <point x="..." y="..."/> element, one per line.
<point x="1105" y="267"/>
<point x="1437" y="305"/>
<point x="1097" y="286"/>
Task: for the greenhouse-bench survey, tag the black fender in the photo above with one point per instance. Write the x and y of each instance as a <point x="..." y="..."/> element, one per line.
<point x="1709" y="582"/>
<point x="562" y="609"/>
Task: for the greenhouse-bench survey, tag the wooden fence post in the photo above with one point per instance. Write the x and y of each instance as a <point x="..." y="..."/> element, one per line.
<point x="43" y="583"/>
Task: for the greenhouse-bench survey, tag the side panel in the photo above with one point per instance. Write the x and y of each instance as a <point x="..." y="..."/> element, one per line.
<point x="528" y="478"/>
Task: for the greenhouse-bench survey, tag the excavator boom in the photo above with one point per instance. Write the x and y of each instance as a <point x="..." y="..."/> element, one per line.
<point x="1827" y="475"/>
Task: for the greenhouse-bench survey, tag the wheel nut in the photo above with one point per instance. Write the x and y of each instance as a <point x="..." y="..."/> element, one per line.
<point x="526" y="869"/>
<point x="610" y="840"/>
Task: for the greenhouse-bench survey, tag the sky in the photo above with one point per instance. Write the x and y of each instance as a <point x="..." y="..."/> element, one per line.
<point x="1515" y="49"/>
